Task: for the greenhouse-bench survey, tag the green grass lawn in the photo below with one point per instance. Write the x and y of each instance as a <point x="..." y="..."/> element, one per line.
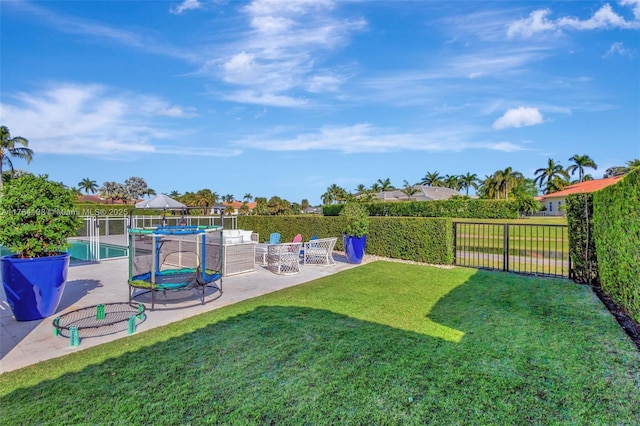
<point x="384" y="343"/>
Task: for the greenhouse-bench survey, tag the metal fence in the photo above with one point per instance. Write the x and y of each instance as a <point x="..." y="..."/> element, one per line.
<point x="105" y="237"/>
<point x="520" y="248"/>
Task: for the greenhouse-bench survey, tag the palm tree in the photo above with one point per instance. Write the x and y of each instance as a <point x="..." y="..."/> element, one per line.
<point x="452" y="182"/>
<point x="151" y="192"/>
<point x="385" y="185"/>
<point x="490" y="187"/>
<point x="409" y="190"/>
<point x="469" y="180"/>
<point x="432" y="179"/>
<point x="8" y="149"/>
<point x="579" y="164"/>
<point x="87" y="185"/>
<point x="247" y="197"/>
<point x="228" y="198"/>
<point x="174" y="194"/>
<point x="506" y="180"/>
<point x="551" y="177"/>
<point x="361" y="189"/>
<point x="632" y="164"/>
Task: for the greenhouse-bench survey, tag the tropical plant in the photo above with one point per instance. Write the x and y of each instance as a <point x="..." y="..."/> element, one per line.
<point x="174" y="194"/>
<point x="247" y="197"/>
<point x="278" y="206"/>
<point x="385" y="185"/>
<point x="151" y="192"/>
<point x="409" y="190"/>
<point x="304" y="204"/>
<point x="335" y="193"/>
<point x="356" y="219"/>
<point x="580" y="162"/>
<point x="452" y="182"/>
<point x="469" y="181"/>
<point x="135" y="188"/>
<point x="38" y="216"/>
<point x="552" y="178"/>
<point x="432" y="179"/>
<point x="261" y="206"/>
<point x="9" y="148"/>
<point x="87" y="185"/>
<point x="632" y="165"/>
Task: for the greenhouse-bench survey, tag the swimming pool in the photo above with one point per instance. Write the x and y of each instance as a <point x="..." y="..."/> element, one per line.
<point x="80" y="251"/>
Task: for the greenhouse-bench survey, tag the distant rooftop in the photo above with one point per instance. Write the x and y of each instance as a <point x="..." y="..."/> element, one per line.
<point x="582" y="187"/>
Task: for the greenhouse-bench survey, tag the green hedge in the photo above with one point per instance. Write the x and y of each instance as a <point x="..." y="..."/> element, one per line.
<point x="616" y="217"/>
<point x="582" y="245"/>
<point x="454" y="208"/>
<point x="427" y="240"/>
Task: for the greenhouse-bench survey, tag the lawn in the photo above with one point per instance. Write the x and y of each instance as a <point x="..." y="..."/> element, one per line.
<point x="384" y="343"/>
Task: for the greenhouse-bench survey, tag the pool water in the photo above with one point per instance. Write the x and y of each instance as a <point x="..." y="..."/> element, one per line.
<point x="79" y="251"/>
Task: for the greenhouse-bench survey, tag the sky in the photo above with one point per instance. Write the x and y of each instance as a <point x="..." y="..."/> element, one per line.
<point x="285" y="98"/>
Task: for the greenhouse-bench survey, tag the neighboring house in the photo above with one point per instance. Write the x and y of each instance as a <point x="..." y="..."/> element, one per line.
<point x="425" y="193"/>
<point x="555" y="202"/>
<point x="312" y="210"/>
<point x="234" y="207"/>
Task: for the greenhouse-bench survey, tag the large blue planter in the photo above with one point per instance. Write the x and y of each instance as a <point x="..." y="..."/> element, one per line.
<point x="354" y="248"/>
<point x="34" y="286"/>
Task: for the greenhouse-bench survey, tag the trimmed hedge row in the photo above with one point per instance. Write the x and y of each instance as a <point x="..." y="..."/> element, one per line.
<point x="454" y="208"/>
<point x="616" y="217"/>
<point x="582" y="245"/>
<point x="427" y="240"/>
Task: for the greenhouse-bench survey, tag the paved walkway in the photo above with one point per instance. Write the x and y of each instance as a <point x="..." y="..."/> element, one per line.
<point x="24" y="343"/>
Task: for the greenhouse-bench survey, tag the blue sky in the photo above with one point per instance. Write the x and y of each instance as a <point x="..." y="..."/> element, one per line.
<point x="285" y="98"/>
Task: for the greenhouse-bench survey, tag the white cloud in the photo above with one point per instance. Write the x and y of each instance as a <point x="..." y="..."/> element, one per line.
<point x="93" y="120"/>
<point x="518" y="117"/>
<point x="277" y="59"/>
<point x="366" y="138"/>
<point x="186" y="5"/>
<point x="538" y="21"/>
<point x="618" y="48"/>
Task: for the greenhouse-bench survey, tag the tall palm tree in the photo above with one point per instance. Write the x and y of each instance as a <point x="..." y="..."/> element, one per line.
<point x="580" y="162"/>
<point x="490" y="187"/>
<point x="247" y="197"/>
<point x="87" y="185"/>
<point x="174" y="194"/>
<point x="9" y="148"/>
<point x="385" y="185"/>
<point x="361" y="189"/>
<point x="452" y="182"/>
<point x="432" y="179"/>
<point x="632" y="164"/>
<point x="409" y="190"/>
<point x="506" y="180"/>
<point x="151" y="192"/>
<point x="469" y="180"/>
<point x="551" y="177"/>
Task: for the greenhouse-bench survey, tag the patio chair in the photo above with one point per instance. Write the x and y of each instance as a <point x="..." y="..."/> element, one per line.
<point x="319" y="251"/>
<point x="274" y="238"/>
<point x="297" y="238"/>
<point x="284" y="259"/>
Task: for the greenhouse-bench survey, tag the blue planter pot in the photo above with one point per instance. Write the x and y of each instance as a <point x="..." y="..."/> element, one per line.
<point x="34" y="286"/>
<point x="354" y="248"/>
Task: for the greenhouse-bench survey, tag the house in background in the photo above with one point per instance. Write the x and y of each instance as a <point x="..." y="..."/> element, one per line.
<point x="234" y="207"/>
<point x="425" y="193"/>
<point x="555" y="202"/>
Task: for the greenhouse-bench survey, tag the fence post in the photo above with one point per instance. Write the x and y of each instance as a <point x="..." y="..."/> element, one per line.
<point x="505" y="248"/>
<point x="455" y="242"/>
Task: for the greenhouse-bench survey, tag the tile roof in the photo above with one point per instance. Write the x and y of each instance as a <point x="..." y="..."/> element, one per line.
<point x="587" y="186"/>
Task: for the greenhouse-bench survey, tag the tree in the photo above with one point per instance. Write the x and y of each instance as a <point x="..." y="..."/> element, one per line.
<point x="361" y="189"/>
<point x="385" y="185"/>
<point x="108" y="190"/>
<point x="409" y="190"/>
<point x="632" y="165"/>
<point x="174" y="194"/>
<point x="506" y="180"/>
<point x="580" y="162"/>
<point x="304" y="204"/>
<point x="469" y="180"/>
<point x="9" y="148"/>
<point x="278" y="206"/>
<point x="151" y="192"/>
<point x="551" y="177"/>
<point x="87" y="185"/>
<point x="135" y="188"/>
<point x="244" y="208"/>
<point x="261" y="206"/>
<point x="247" y="197"/>
<point x="228" y="198"/>
<point x="335" y="193"/>
<point x="489" y="188"/>
<point x="432" y="179"/>
<point x="452" y="182"/>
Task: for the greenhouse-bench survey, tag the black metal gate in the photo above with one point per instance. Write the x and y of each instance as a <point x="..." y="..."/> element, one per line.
<point x="521" y="248"/>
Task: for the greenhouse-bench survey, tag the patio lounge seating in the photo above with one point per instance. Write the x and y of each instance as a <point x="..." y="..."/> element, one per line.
<point x="319" y="252"/>
<point x="284" y="259"/>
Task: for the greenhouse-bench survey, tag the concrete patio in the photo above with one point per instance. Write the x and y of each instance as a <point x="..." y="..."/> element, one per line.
<point x="29" y="342"/>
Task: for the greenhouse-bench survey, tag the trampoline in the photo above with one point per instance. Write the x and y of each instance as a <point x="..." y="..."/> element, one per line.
<point x="174" y="258"/>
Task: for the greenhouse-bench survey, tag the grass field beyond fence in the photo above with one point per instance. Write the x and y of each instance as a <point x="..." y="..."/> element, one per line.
<point x="384" y="343"/>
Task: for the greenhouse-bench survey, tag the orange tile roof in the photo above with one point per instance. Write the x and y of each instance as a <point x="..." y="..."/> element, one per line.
<point x="582" y="187"/>
<point x="238" y="204"/>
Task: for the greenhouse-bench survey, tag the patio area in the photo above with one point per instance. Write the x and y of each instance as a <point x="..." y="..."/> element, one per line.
<point x="29" y="342"/>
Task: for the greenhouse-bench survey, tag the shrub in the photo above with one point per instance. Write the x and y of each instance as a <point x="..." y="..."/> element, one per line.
<point x="582" y="244"/>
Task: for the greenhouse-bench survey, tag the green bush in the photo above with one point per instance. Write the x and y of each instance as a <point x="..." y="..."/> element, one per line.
<point x="356" y="219"/>
<point x="616" y="217"/>
<point x="36" y="216"/>
<point x="454" y="208"/>
<point x="418" y="239"/>
<point x="582" y="244"/>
